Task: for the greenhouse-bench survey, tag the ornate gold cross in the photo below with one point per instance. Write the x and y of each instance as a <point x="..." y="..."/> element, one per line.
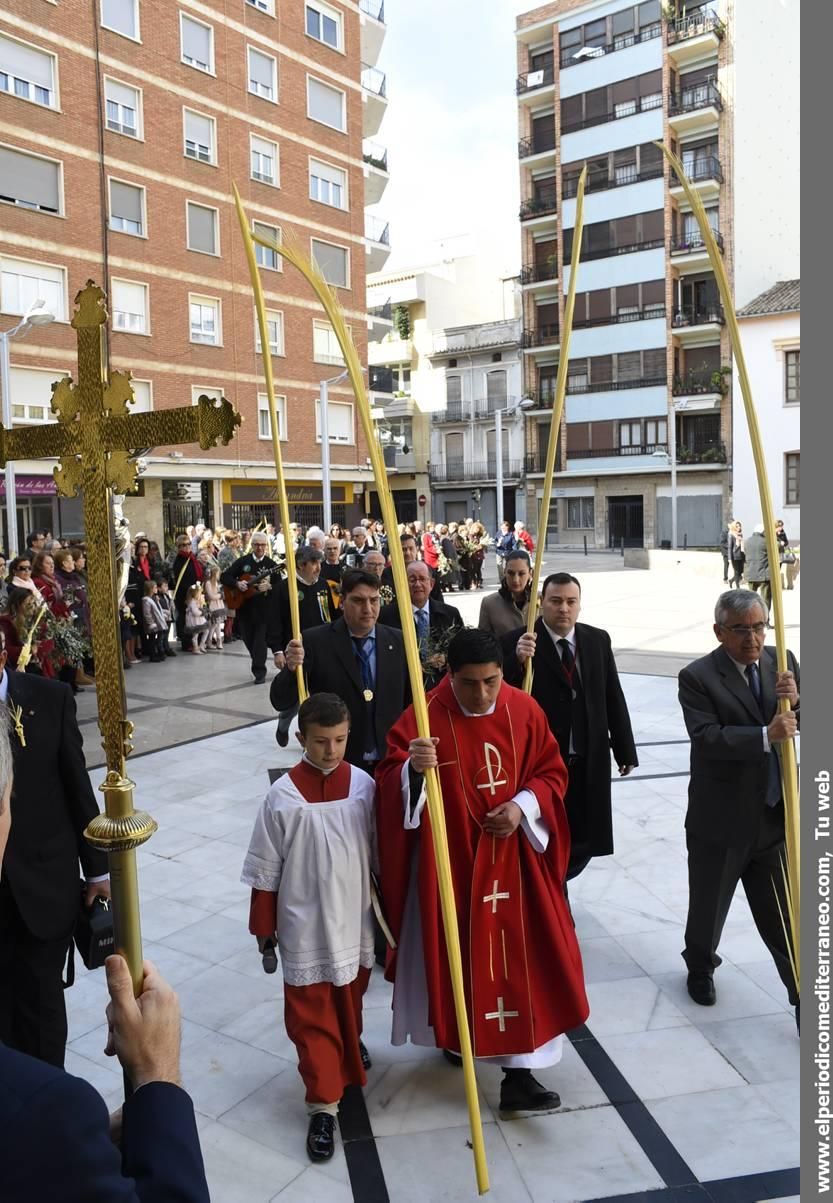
<point x="94" y="438"/>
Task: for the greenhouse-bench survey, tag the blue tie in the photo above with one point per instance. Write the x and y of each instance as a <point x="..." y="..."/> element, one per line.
<point x="422" y="622"/>
<point x="773" y="787"/>
<point x="363" y="655"/>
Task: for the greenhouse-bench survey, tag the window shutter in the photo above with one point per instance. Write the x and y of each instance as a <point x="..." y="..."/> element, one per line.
<point x="331" y="261"/>
<point x="196" y="41"/>
<point x="26" y="63"/>
<point x="202" y="229"/>
<point x="326" y="104"/>
<point x="121" y="94"/>
<point x="33" y="181"/>
<point x="119" y="15"/>
<point x="453" y="389"/>
<point x="261" y="69"/>
<point x="125" y="201"/>
<point x="340" y="422"/>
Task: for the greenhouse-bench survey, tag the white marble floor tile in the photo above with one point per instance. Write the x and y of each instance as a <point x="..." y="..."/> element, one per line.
<point x="170" y="841"/>
<point x="765" y="975"/>
<point x="656" y="952"/>
<point x="605" y="960"/>
<point x="783" y="1096"/>
<point x="406" y="1157"/>
<point x="217" y="996"/>
<point x="631" y="1005"/>
<point x="220" y="1072"/>
<point x="239" y="1169"/>
<point x="175" y="966"/>
<point x="167" y="876"/>
<point x="217" y="891"/>
<point x="726" y="1133"/>
<point x="311" y="1186"/>
<point x="162" y="916"/>
<point x="212" y="939"/>
<point x="762" y="1049"/>
<point x="419" y="1096"/>
<point x="670" y="1062"/>
<point x="214" y="857"/>
<point x="578" y="1155"/>
<point x="263" y="1027"/>
<point x="737" y="997"/>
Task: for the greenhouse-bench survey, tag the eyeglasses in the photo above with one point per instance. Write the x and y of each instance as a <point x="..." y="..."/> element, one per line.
<point x="24" y="568"/>
<point x="757" y="628"/>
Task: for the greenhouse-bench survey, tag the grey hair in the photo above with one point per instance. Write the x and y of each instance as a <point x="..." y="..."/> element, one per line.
<point x="6" y="762"/>
<point x="737" y="602"/>
<point x="308" y="555"/>
<point x="315" y="532"/>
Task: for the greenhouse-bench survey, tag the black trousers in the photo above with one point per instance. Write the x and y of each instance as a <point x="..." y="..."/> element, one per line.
<point x="713" y="874"/>
<point x="33" y="1017"/>
<point x="252" y="629"/>
<point x="183" y="635"/>
<point x="575" y="803"/>
<point x="725" y="555"/>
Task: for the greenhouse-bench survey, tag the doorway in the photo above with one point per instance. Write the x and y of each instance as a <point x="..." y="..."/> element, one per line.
<point x="625" y="521"/>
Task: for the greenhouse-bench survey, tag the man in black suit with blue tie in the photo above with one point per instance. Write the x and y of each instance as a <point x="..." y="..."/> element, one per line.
<point x="735" y="818"/>
<point x="56" y="1131"/>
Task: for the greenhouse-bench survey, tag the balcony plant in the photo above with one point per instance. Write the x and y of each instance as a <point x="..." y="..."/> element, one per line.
<point x="402" y="321"/>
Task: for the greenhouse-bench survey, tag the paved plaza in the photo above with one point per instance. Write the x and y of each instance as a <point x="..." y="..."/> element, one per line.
<point x="661" y="1099"/>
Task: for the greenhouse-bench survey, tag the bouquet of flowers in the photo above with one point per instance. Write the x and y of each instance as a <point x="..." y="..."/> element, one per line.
<point x="385" y="595"/>
<point x="443" y="566"/>
<point x="433" y="651"/>
<point x="71" y="645"/>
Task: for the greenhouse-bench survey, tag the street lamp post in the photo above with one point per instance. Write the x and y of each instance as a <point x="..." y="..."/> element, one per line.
<point x="671" y="457"/>
<point x="524" y="403"/>
<point x="36" y="315"/>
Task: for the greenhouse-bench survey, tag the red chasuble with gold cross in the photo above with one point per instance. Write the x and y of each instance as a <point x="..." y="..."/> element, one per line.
<point x="521" y="961"/>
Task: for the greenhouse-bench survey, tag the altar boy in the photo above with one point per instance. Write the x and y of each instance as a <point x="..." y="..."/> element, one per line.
<point x="309" y="866"/>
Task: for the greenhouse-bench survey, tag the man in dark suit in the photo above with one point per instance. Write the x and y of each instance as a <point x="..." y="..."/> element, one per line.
<point x="313" y="611"/>
<point x="576" y="683"/>
<point x="435" y="622"/>
<point x="357" y="659"/>
<point x="39" y="889"/>
<point x="735" y="818"/>
<point x="257" y="619"/>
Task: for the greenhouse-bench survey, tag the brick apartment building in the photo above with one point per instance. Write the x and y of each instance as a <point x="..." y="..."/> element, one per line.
<point x="600" y="83"/>
<point x="123" y="124"/>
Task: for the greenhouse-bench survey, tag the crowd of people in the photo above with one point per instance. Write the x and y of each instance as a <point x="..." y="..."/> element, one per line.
<point x="745" y="558"/>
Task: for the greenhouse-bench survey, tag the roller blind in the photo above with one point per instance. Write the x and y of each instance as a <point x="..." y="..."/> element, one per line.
<point x="126" y="201"/>
<point x="261" y="70"/>
<point x="28" y="180"/>
<point x="202" y="229"/>
<point x="196" y="42"/>
<point x="332" y="260"/>
<point x="325" y="104"/>
<point x="26" y="63"/>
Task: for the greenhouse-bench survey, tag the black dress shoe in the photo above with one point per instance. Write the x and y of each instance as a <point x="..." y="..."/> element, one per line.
<point x="365" y="1056"/>
<point x="169" y="651"/>
<point x="453" y="1058"/>
<point x="701" y="988"/>
<point x="321" y="1136"/>
<point x="260" y="678"/>
<point x="282" y="737"/>
<point x="521" y="1094"/>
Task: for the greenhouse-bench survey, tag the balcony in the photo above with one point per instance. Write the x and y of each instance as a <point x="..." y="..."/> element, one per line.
<point x="580" y="387"/>
<point x="483" y="336"/>
<point x="374" y="98"/>
<point x="705" y="174"/>
<point x="699" y="453"/>
<point x="626" y="109"/>
<point x="689" y="252"/>
<point x="695" y="323"/>
<point x="376" y="176"/>
<point x="542" y="204"/>
<point x="597" y="182"/>
<point x="380" y="321"/>
<point x="535" y="85"/>
<point x="574" y="58"/>
<point x="464" y="472"/>
<point x="606" y="252"/>
<point x="478" y="411"/>
<point x="702" y="390"/>
<point x="615" y="319"/>
<point x="615" y="452"/>
<point x="543" y="337"/>
<point x="696" y="108"/>
<point x="538" y="144"/>
<point x="540" y="273"/>
<point x="377" y="233"/>
<point x="694" y="36"/>
<point x="390" y="351"/>
<point x="372" y="26"/>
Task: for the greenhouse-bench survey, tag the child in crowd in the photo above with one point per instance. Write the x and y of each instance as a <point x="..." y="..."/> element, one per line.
<point x="309" y="868"/>
<point x="165" y="603"/>
<point x="196" y="623"/>
<point x="216" y="607"/>
<point x="154" y="621"/>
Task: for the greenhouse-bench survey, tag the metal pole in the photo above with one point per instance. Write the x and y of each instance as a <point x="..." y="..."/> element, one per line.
<point x="672" y="447"/>
<point x="499" y="467"/>
<point x="11" y="495"/>
<point x="585" y="544"/>
<point x="326" y="491"/>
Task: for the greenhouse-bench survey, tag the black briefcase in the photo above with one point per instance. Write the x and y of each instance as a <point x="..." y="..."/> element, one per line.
<point x="93" y="934"/>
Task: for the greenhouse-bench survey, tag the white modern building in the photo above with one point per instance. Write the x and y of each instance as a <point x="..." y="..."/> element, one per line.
<point x="771" y="334"/>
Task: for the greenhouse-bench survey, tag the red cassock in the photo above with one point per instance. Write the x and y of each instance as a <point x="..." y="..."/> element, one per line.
<point x="521" y="961"/>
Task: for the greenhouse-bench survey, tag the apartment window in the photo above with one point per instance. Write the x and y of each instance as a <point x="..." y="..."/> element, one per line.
<point x="274" y="332"/>
<point x="264" y="6"/>
<point x="656" y="432"/>
<point x="339" y="422"/>
<point x="123" y="107"/>
<point x="326" y="105"/>
<point x="264" y="423"/>
<point x="453" y="390"/>
<point x="622" y="26"/>
<point x="630" y="433"/>
<point x="649" y="14"/>
<point x="202" y="229"/>
<point x="197" y="43"/>
<point x="27" y="72"/>
<point x="325" y="345"/>
<point x="129" y="306"/>
<point x="142" y="402"/>
<point x="264" y="255"/>
<point x="205" y="390"/>
<point x="30" y="388"/>
<point x="29" y="181"/>
<point x="792" y="374"/>
<point x="205" y="320"/>
<point x="581" y="513"/>
<point x="264" y="165"/>
<point x="792" y="466"/>
<point x="122" y="16"/>
<point x="127" y="204"/>
<point x="23" y="282"/>
<point x="324" y="24"/>
<point x="333" y="262"/>
<point x="327" y="184"/>
<point x="496" y="389"/>
<point x="200" y="136"/>
<point x="263" y="74"/>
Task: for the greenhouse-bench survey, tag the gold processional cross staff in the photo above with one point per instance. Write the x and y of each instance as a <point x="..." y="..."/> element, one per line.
<point x="94" y="438"/>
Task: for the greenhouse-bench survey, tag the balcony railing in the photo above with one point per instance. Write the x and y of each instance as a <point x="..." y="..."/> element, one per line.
<point x="376" y="156"/>
<point x="579" y="387"/>
<point x="538" y="144"/>
<point x="383" y="311"/>
<point x="605" y="252"/>
<point x="682" y="28"/>
<point x="535" y="273"/>
<point x="530" y="80"/>
<point x="615" y="319"/>
<point x="539" y="205"/>
<point x="627" y="108"/>
<point x="568" y="57"/>
<point x="690" y="315"/>
<point x="605" y="452"/>
<point x="698" y="452"/>
<point x="684" y="244"/>
<point x="597" y="182"/>
<point x="473" y="410"/>
<point x="540" y="336"/>
<point x="454" y="413"/>
<point x="376" y="230"/>
<point x="373" y="8"/>
<point x="707" y="168"/>
<point x="689" y="100"/>
<point x="380" y="380"/>
<point x="699" y="383"/>
<point x="476" y="473"/>
<point x="373" y="80"/>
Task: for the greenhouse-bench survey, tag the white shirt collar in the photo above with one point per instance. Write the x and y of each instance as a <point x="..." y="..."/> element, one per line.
<point x="570" y="637"/>
<point x="4" y="686"/>
<point x="426" y="609"/>
<point x="740" y="667"/>
<point x="323" y="772"/>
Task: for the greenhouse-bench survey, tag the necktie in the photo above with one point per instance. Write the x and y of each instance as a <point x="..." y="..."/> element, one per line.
<point x="568" y="662"/>
<point x="773" y="786"/>
<point x="422" y="622"/>
<point x="363" y="655"/>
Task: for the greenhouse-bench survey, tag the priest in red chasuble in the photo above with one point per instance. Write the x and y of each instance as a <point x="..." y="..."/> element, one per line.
<point x="503" y="784"/>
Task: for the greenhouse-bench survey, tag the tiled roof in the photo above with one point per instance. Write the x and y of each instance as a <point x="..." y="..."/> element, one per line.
<point x="783" y="297"/>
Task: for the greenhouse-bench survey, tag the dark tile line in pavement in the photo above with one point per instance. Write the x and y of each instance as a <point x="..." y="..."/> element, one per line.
<point x="747" y="1188"/>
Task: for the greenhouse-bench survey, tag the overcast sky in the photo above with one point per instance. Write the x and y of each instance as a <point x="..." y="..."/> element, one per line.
<point x="451" y="129"/>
